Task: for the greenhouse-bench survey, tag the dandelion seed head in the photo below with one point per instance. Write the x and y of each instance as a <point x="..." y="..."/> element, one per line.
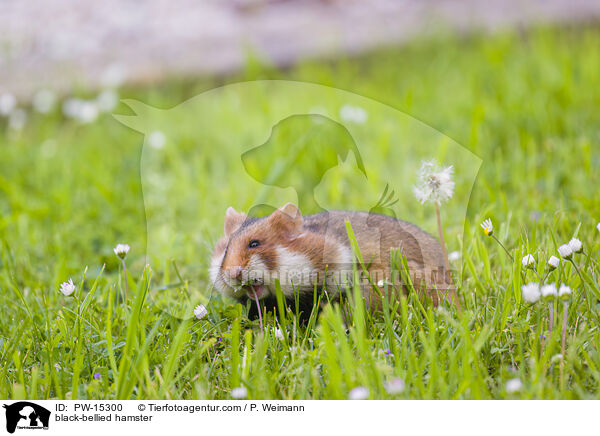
<point x="453" y="256"/>
<point x="434" y="184"/>
<point x="531" y="292"/>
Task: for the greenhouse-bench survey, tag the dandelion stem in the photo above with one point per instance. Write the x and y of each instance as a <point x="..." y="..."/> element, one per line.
<point x="259" y="312"/>
<point x="443" y="243"/>
<point x="502" y="245"/>
<point x="563" y="341"/>
<point x="125" y="278"/>
<point x="550" y="317"/>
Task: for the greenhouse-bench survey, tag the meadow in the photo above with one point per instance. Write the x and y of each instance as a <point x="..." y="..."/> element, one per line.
<point x="526" y="103"/>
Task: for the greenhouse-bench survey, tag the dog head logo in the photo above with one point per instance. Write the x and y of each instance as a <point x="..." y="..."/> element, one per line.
<point x="25" y="414"/>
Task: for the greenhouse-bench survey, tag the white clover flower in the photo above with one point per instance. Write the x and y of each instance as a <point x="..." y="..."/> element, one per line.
<point x="565" y="251"/>
<point x="353" y="114"/>
<point x="114" y="75"/>
<point x="453" y="256"/>
<point x="564" y="292"/>
<point x="576" y="245"/>
<point x="528" y="261"/>
<point x="549" y="291"/>
<point x="488" y="227"/>
<point x="107" y="100"/>
<point x="157" y="139"/>
<point x="553" y="262"/>
<point x="88" y="112"/>
<point x="359" y="393"/>
<point x="7" y="103"/>
<point x="531" y="292"/>
<point x="513" y="385"/>
<point x="395" y="386"/>
<point x="278" y="333"/>
<point x="239" y="393"/>
<point x="17" y="119"/>
<point x="70" y="107"/>
<point x="67" y="288"/>
<point x="121" y="250"/>
<point x="200" y="311"/>
<point x="81" y="110"/>
<point x="43" y="101"/>
<point x="434" y="183"/>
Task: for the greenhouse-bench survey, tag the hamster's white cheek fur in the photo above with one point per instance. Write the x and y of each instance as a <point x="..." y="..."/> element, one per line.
<point x="216" y="278"/>
<point x="215" y="266"/>
<point x="295" y="269"/>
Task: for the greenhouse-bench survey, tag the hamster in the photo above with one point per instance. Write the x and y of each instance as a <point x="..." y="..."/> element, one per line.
<point x="314" y="253"/>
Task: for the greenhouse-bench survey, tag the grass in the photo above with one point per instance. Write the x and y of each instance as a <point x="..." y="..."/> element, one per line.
<point x="525" y="103"/>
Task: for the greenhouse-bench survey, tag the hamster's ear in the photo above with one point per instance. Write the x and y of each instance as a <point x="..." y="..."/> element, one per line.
<point x="233" y="220"/>
<point x="288" y="219"/>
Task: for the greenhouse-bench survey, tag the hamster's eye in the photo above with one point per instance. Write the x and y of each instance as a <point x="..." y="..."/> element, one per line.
<point x="253" y="244"/>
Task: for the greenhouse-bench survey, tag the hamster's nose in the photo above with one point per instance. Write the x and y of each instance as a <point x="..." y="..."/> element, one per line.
<point x="235" y="272"/>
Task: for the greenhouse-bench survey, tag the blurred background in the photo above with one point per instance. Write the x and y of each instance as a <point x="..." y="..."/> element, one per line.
<point x="67" y="45"/>
<point x="514" y="83"/>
